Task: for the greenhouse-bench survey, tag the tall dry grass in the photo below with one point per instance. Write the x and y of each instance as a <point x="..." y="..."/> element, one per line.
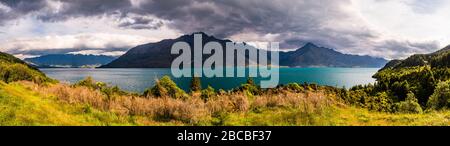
<point x="190" y="110"/>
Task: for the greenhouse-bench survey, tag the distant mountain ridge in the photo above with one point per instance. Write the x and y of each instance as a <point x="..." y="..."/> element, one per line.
<point x="157" y="55"/>
<point x="311" y="55"/>
<point x="70" y="60"/>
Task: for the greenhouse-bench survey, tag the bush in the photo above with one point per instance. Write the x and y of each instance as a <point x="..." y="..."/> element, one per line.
<point x="90" y="83"/>
<point x="165" y="87"/>
<point x="208" y="93"/>
<point x="400" y="89"/>
<point x="410" y="105"/>
<point x="294" y="87"/>
<point x="441" y="96"/>
<point x="380" y="102"/>
<point x="250" y="81"/>
<point x="11" y="72"/>
<point x="196" y="84"/>
<point x="250" y="88"/>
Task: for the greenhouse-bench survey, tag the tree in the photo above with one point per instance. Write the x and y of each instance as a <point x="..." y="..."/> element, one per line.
<point x="250" y="81"/>
<point x="165" y="87"/>
<point x="441" y="96"/>
<point x="410" y="105"/>
<point x="400" y="89"/>
<point x="196" y="84"/>
<point x="208" y="93"/>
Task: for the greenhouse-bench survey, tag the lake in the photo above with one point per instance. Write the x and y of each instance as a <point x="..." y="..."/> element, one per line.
<point x="137" y="80"/>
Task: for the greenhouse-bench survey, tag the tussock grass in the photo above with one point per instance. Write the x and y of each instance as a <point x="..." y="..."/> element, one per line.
<point x="28" y="103"/>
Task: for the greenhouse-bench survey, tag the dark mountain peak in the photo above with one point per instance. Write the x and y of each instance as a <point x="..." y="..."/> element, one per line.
<point x="205" y="37"/>
<point x="310" y="45"/>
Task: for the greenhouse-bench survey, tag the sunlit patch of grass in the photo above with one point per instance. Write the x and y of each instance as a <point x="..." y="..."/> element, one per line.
<point x="20" y="106"/>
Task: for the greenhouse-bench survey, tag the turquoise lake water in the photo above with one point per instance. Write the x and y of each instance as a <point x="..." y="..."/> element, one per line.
<point x="137" y="80"/>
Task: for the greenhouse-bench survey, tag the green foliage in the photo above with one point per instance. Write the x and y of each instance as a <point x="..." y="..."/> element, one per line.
<point x="356" y="97"/>
<point x="441" y="96"/>
<point x="410" y="105"/>
<point x="13" y="69"/>
<point x="419" y="80"/>
<point x="11" y="72"/>
<point x="7" y="58"/>
<point x="208" y="93"/>
<point x="400" y="89"/>
<point x="87" y="82"/>
<point x="109" y="91"/>
<point x="21" y="106"/>
<point x="250" y="81"/>
<point x="196" y="84"/>
<point x="249" y="88"/>
<point x="295" y="87"/>
<point x="380" y="102"/>
<point x="165" y="87"/>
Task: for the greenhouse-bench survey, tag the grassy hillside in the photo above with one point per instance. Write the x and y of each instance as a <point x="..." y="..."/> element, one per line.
<point x="21" y="106"/>
<point x="13" y="69"/>
<point x="28" y="97"/>
<point x="27" y="103"/>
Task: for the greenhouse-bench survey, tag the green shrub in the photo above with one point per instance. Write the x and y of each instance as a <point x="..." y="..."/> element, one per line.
<point x="90" y="83"/>
<point x="294" y="87"/>
<point x="380" y="102"/>
<point x="196" y="84"/>
<point x="11" y="72"/>
<point x="87" y="82"/>
<point x="441" y="96"/>
<point x="400" y="89"/>
<point x="250" y="89"/>
<point x="356" y="97"/>
<point x="410" y="105"/>
<point x="250" y="81"/>
<point x="165" y="87"/>
<point x="208" y="93"/>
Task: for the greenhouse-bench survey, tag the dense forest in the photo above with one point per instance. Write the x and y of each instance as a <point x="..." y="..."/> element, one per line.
<point x="420" y="82"/>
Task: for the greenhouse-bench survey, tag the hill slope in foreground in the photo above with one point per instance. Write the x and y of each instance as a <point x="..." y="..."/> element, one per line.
<point x="40" y="102"/>
<point x="22" y="106"/>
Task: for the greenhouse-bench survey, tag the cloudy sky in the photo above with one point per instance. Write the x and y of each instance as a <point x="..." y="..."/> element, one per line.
<point x="383" y="28"/>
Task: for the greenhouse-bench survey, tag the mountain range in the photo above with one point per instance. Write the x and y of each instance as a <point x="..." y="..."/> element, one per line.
<point x="157" y="55"/>
<point x="69" y="60"/>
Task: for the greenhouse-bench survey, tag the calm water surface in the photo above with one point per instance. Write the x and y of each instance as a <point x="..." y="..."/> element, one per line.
<point x="137" y="80"/>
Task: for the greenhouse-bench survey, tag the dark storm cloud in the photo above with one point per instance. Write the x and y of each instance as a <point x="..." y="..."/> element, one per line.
<point x="400" y="49"/>
<point x="294" y="22"/>
<point x="24" y="6"/>
<point x="86" y="8"/>
<point x="19" y="8"/>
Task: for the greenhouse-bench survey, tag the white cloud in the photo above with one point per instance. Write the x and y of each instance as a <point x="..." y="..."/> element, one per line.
<point x="400" y="19"/>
